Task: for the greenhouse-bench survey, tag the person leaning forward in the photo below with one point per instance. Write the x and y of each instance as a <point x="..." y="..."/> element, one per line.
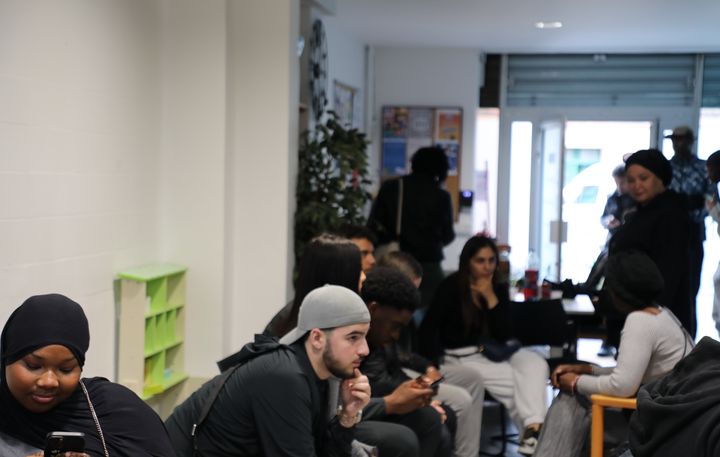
<point x="275" y="403"/>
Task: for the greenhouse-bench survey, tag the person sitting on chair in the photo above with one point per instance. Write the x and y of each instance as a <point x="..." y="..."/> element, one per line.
<point x="469" y="324"/>
<point x="653" y="341"/>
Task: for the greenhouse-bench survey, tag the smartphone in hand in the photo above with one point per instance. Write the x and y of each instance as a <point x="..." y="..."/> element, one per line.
<point x="57" y="443"/>
<point x="434" y="380"/>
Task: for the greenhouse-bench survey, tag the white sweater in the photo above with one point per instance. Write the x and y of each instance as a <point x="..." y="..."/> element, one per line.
<point x="650" y="346"/>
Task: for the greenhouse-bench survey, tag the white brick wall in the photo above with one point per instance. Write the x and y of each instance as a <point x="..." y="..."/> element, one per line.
<point x="78" y="153"/>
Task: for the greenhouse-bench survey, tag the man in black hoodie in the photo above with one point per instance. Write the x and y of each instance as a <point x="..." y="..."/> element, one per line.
<point x="679" y="414"/>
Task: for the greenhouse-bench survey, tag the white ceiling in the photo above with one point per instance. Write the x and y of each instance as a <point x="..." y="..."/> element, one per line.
<point x="507" y="26"/>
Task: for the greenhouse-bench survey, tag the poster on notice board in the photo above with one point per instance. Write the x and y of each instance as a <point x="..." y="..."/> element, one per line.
<point x="405" y="129"/>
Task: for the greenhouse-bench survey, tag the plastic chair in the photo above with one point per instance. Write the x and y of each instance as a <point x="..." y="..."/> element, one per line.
<point x="599" y="403"/>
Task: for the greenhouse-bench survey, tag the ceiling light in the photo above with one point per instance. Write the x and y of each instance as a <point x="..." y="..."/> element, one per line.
<point x="548" y="25"/>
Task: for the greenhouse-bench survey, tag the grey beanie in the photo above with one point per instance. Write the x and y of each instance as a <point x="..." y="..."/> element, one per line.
<point x="327" y="307"/>
<point x="634" y="277"/>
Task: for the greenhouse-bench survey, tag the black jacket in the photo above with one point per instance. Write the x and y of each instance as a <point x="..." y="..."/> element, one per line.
<point x="679" y="414"/>
<point x="427" y="217"/>
<point x="384" y="369"/>
<point x="272" y="405"/>
<point x="443" y="326"/>
<point x="661" y="230"/>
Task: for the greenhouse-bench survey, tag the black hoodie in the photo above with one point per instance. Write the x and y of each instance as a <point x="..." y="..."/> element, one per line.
<point x="679" y="414"/>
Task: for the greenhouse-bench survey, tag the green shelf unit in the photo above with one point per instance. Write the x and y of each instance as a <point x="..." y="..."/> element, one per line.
<point x="151" y="304"/>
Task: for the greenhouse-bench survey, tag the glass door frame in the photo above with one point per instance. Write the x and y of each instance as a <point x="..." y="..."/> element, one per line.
<point x="661" y="118"/>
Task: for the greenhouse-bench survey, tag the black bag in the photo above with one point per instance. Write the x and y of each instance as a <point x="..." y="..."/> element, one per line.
<point x="496" y="351"/>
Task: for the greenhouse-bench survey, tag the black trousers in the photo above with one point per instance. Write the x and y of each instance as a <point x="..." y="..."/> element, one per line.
<point x="416" y="434"/>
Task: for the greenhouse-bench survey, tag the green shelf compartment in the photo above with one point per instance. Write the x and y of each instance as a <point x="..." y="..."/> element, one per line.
<point x="170" y="327"/>
<point x="154" y="369"/>
<point x="151" y="339"/>
<point x="173" y="371"/>
<point x="176" y="290"/>
<point x="179" y="327"/>
<point x="157" y="294"/>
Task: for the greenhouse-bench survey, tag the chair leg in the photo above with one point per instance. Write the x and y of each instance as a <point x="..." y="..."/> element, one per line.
<point x="504" y="436"/>
<point x="597" y="431"/>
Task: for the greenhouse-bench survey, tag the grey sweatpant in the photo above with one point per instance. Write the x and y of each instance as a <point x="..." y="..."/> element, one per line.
<point x="518" y="383"/>
<point x="566" y="427"/>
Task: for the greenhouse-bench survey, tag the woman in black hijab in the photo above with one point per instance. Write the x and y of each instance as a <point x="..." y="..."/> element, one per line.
<point x="659" y="228"/>
<point x="42" y="352"/>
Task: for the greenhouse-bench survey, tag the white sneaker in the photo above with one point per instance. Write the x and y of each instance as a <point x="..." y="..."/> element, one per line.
<point x="529" y="442"/>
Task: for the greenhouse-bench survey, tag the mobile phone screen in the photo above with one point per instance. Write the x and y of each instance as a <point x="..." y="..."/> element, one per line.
<point x="57" y="443"/>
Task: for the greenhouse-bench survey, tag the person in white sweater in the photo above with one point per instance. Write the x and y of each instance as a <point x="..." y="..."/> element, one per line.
<point x="651" y="343"/>
<point x="713" y="207"/>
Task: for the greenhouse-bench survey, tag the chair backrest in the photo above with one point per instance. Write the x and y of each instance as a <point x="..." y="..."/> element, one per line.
<point x="540" y="322"/>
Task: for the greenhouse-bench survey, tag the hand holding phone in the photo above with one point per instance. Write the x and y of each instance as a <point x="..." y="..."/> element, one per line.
<point x="58" y="443"/>
<point x="431" y="380"/>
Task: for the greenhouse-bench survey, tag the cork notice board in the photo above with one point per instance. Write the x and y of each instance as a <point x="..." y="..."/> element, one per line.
<point x="405" y="129"/>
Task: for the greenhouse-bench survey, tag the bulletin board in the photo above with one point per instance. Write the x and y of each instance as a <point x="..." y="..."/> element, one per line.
<point x="405" y="129"/>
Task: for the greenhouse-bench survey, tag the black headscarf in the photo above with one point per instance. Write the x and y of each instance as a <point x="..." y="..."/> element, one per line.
<point x="653" y="160"/>
<point x="129" y="426"/>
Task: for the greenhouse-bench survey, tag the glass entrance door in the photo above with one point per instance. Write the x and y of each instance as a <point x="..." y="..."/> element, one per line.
<point x="592" y="150"/>
<point x="551" y="228"/>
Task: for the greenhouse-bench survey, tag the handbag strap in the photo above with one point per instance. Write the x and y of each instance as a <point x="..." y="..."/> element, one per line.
<point x="398" y="220"/>
<point x="208" y="406"/>
<point x="95" y="418"/>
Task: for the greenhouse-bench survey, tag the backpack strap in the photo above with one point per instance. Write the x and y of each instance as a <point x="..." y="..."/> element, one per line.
<point x="208" y="406"/>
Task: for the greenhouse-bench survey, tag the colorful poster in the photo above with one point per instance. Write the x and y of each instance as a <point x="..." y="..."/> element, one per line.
<point x="448" y="124"/>
<point x="393" y="157"/>
<point x="420" y="124"/>
<point x="452" y="150"/>
<point x="394" y="122"/>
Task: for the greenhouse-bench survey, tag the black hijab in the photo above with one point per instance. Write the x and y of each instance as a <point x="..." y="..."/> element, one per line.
<point x="129" y="426"/>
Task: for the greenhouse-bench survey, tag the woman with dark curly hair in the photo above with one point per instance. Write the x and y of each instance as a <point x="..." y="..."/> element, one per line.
<point x="468" y="316"/>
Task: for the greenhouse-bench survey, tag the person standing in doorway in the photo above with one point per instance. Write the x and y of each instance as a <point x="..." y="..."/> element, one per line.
<point x="689" y="179"/>
<point x="426" y="215"/>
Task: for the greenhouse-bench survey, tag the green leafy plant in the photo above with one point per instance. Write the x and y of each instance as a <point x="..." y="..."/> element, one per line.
<point x="332" y="179"/>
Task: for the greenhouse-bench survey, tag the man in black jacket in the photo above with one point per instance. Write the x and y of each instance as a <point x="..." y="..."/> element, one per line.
<point x="679" y="414"/>
<point x="391" y="299"/>
<point x="426" y="222"/>
<point x="275" y="402"/>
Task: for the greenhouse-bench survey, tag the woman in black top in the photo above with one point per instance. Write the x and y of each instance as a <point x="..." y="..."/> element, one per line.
<point x="659" y="228"/>
<point x="43" y="351"/>
<point x="469" y="312"/>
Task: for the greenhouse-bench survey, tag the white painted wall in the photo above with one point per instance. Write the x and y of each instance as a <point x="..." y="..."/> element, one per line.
<point x="346" y="62"/>
<point x="191" y="175"/>
<point x="79" y="162"/>
<point x="263" y="97"/>
<point x="141" y="131"/>
<point x="429" y="76"/>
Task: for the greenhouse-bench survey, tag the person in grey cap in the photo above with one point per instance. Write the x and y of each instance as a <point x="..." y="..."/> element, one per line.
<point x="273" y="401"/>
<point x="653" y="341"/>
<point x="689" y="179"/>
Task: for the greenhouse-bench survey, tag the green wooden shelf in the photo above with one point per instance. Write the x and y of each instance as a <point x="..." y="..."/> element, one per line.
<point x="151" y="303"/>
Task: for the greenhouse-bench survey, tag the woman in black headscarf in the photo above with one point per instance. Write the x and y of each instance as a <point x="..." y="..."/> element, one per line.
<point x="660" y="229"/>
<point x="42" y="352"/>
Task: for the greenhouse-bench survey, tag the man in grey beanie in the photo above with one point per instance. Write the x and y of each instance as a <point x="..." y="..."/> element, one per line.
<point x="272" y="398"/>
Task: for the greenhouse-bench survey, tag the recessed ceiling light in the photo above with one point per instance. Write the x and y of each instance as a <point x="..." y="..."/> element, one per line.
<point x="548" y="25"/>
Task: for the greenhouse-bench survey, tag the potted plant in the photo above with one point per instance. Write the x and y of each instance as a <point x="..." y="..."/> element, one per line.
<point x="332" y="176"/>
